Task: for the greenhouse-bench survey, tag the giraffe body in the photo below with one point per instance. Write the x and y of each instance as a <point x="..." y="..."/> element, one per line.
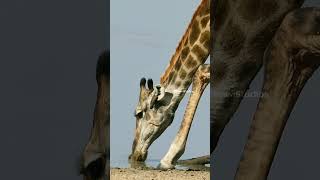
<point x="157" y="105"/>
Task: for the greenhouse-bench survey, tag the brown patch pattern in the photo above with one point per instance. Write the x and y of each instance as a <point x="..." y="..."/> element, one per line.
<point x="190" y="62"/>
<point x="203" y="9"/>
<point x="194" y="34"/>
<point x="178" y="83"/>
<point x="204" y="21"/>
<point x="184" y="53"/>
<point x="198" y="51"/>
<point x="182" y="74"/>
<point x="205" y="36"/>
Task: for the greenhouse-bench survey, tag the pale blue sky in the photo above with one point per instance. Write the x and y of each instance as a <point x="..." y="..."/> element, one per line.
<point x="144" y="35"/>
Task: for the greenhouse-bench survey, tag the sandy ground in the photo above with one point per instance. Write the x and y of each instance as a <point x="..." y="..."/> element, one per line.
<point x="138" y="174"/>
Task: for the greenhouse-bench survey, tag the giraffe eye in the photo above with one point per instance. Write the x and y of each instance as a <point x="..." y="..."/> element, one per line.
<point x="138" y="114"/>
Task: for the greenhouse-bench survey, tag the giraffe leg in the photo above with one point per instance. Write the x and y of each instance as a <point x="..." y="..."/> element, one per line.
<point x="290" y="61"/>
<point x="177" y="148"/>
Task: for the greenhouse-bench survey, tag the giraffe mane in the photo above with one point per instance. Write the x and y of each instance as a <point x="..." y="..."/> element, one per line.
<point x="175" y="57"/>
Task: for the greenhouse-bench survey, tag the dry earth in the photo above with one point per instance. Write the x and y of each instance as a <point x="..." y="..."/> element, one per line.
<point x="143" y="174"/>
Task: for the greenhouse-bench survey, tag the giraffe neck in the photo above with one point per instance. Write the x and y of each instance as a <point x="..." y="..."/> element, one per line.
<point x="192" y="51"/>
<point x="242" y="30"/>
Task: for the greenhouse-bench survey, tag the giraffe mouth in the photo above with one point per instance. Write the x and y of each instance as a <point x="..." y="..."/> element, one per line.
<point x="139" y="153"/>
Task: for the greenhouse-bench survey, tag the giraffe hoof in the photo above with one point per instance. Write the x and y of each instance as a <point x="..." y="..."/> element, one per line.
<point x="165" y="166"/>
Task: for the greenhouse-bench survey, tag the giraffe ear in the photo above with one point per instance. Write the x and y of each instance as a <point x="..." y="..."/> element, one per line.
<point x="154" y="97"/>
<point x="157" y="94"/>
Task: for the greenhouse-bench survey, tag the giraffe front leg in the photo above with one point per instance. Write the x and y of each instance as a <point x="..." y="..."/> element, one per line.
<point x="177" y="148"/>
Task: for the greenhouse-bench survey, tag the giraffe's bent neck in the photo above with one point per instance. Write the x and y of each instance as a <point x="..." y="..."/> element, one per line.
<point x="192" y="51"/>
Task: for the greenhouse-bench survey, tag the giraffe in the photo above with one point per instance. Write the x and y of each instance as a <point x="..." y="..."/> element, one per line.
<point x="157" y="105"/>
<point x="290" y="60"/>
<point x="95" y="158"/>
<point x="242" y="30"/>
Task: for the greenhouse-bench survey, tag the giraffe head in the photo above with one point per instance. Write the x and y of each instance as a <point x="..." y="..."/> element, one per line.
<point x="154" y="113"/>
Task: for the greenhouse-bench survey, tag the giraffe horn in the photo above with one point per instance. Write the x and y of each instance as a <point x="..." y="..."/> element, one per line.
<point x="142" y="82"/>
<point x="150" y="84"/>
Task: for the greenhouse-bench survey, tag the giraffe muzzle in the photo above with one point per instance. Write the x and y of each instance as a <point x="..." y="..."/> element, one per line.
<point x="138" y="156"/>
